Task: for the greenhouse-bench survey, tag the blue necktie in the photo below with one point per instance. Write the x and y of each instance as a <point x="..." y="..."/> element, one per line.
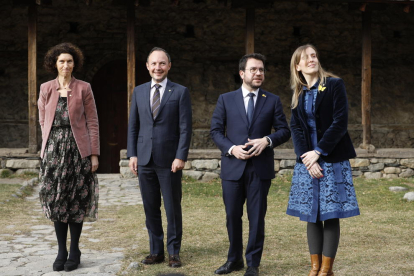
<point x="250" y="108"/>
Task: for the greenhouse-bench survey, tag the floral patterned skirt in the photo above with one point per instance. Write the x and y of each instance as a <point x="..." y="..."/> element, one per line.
<point x="69" y="190"/>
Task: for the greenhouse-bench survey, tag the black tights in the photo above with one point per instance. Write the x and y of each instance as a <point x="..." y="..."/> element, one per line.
<point x="61" y="229"/>
<point x="323" y="237"/>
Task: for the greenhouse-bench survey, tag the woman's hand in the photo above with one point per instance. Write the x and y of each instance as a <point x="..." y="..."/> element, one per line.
<point x="95" y="162"/>
<point x="309" y="158"/>
<point x="315" y="171"/>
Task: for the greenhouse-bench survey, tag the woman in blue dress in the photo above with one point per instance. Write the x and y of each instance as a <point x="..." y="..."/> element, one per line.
<point x="322" y="191"/>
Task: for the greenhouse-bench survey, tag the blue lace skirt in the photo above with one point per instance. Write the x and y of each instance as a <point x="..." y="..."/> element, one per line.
<point x="332" y="196"/>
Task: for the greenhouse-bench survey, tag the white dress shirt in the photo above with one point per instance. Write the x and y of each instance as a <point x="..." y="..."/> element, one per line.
<point x="246" y="96"/>
<point x="162" y="89"/>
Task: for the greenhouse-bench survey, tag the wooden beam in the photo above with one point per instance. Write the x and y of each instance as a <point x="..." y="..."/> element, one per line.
<point x="130" y="50"/>
<point x="403" y="2"/>
<point x="32" y="76"/>
<point x="366" y="78"/>
<point x="250" y="30"/>
<point x="267" y="4"/>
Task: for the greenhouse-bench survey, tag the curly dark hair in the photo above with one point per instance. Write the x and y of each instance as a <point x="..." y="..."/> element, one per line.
<point x="63" y="48"/>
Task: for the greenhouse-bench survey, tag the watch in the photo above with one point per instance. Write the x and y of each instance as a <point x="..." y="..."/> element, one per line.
<point x="268" y="141"/>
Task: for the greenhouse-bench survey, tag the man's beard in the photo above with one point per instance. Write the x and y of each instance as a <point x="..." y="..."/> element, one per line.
<point x="250" y="83"/>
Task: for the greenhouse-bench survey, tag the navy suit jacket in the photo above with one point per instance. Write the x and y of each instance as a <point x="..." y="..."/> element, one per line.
<point x="229" y="127"/>
<point x="331" y="117"/>
<point x="169" y="135"/>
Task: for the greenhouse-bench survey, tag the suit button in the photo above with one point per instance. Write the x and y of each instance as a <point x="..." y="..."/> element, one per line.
<point x="319" y="131"/>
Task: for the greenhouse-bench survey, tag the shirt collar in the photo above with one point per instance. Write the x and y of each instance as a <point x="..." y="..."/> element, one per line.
<point x="312" y="87"/>
<point x="246" y="92"/>
<point x="163" y="83"/>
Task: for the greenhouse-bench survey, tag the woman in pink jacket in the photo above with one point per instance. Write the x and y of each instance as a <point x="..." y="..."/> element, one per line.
<point x="70" y="150"/>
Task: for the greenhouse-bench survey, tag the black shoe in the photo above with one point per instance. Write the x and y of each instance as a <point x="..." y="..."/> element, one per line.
<point x="229" y="267"/>
<point x="72" y="263"/>
<point x="60" y="262"/>
<point x="252" y="271"/>
<point x="153" y="259"/>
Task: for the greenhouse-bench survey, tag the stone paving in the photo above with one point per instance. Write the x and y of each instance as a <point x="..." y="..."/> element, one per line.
<point x="33" y="253"/>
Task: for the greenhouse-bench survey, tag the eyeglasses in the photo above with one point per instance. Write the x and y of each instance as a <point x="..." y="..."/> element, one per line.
<point x="254" y="70"/>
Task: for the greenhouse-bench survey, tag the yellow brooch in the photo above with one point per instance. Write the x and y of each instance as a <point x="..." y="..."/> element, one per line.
<point x="321" y="88"/>
<point x="263" y="95"/>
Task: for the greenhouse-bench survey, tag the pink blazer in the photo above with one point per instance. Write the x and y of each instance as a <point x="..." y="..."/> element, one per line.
<point x="82" y="114"/>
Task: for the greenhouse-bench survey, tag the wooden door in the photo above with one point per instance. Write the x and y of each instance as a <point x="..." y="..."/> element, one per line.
<point x="109" y="86"/>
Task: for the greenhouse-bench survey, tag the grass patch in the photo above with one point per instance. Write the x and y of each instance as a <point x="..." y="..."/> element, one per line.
<point x="378" y="242"/>
<point x="15" y="211"/>
<point x="24" y="176"/>
<point x="384" y="229"/>
<point x="5" y="173"/>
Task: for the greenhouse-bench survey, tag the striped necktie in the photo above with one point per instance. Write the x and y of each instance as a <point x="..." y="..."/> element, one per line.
<point x="155" y="107"/>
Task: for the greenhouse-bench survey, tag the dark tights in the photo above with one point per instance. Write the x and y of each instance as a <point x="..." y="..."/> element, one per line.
<point x="61" y="229"/>
<point x="323" y="237"/>
<point x="75" y="232"/>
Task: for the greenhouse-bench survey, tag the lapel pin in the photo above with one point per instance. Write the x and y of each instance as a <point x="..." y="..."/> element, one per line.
<point x="263" y="95"/>
<point x="169" y="90"/>
<point x="321" y="87"/>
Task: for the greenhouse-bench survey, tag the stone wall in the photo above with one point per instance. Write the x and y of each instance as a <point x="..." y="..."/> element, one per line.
<point x="18" y="161"/>
<point x="205" y="40"/>
<point x="204" y="165"/>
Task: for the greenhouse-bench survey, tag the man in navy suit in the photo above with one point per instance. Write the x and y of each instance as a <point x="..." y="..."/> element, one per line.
<point x="159" y="134"/>
<point x="241" y="128"/>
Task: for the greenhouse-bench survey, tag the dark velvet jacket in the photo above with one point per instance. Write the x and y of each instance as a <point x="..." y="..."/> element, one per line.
<point x="331" y="116"/>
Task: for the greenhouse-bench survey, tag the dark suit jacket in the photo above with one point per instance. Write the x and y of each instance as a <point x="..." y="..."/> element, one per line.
<point x="229" y="127"/>
<point x="169" y="135"/>
<point x="331" y="116"/>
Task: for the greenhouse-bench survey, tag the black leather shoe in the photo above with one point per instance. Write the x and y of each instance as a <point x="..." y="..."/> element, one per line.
<point x="72" y="263"/>
<point x="229" y="267"/>
<point x="153" y="259"/>
<point x="59" y="264"/>
<point x="252" y="271"/>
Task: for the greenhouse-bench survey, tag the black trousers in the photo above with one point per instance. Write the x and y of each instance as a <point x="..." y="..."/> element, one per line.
<point x="255" y="190"/>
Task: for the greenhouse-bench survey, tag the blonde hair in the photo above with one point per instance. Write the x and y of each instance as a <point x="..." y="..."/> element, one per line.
<point x="297" y="80"/>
